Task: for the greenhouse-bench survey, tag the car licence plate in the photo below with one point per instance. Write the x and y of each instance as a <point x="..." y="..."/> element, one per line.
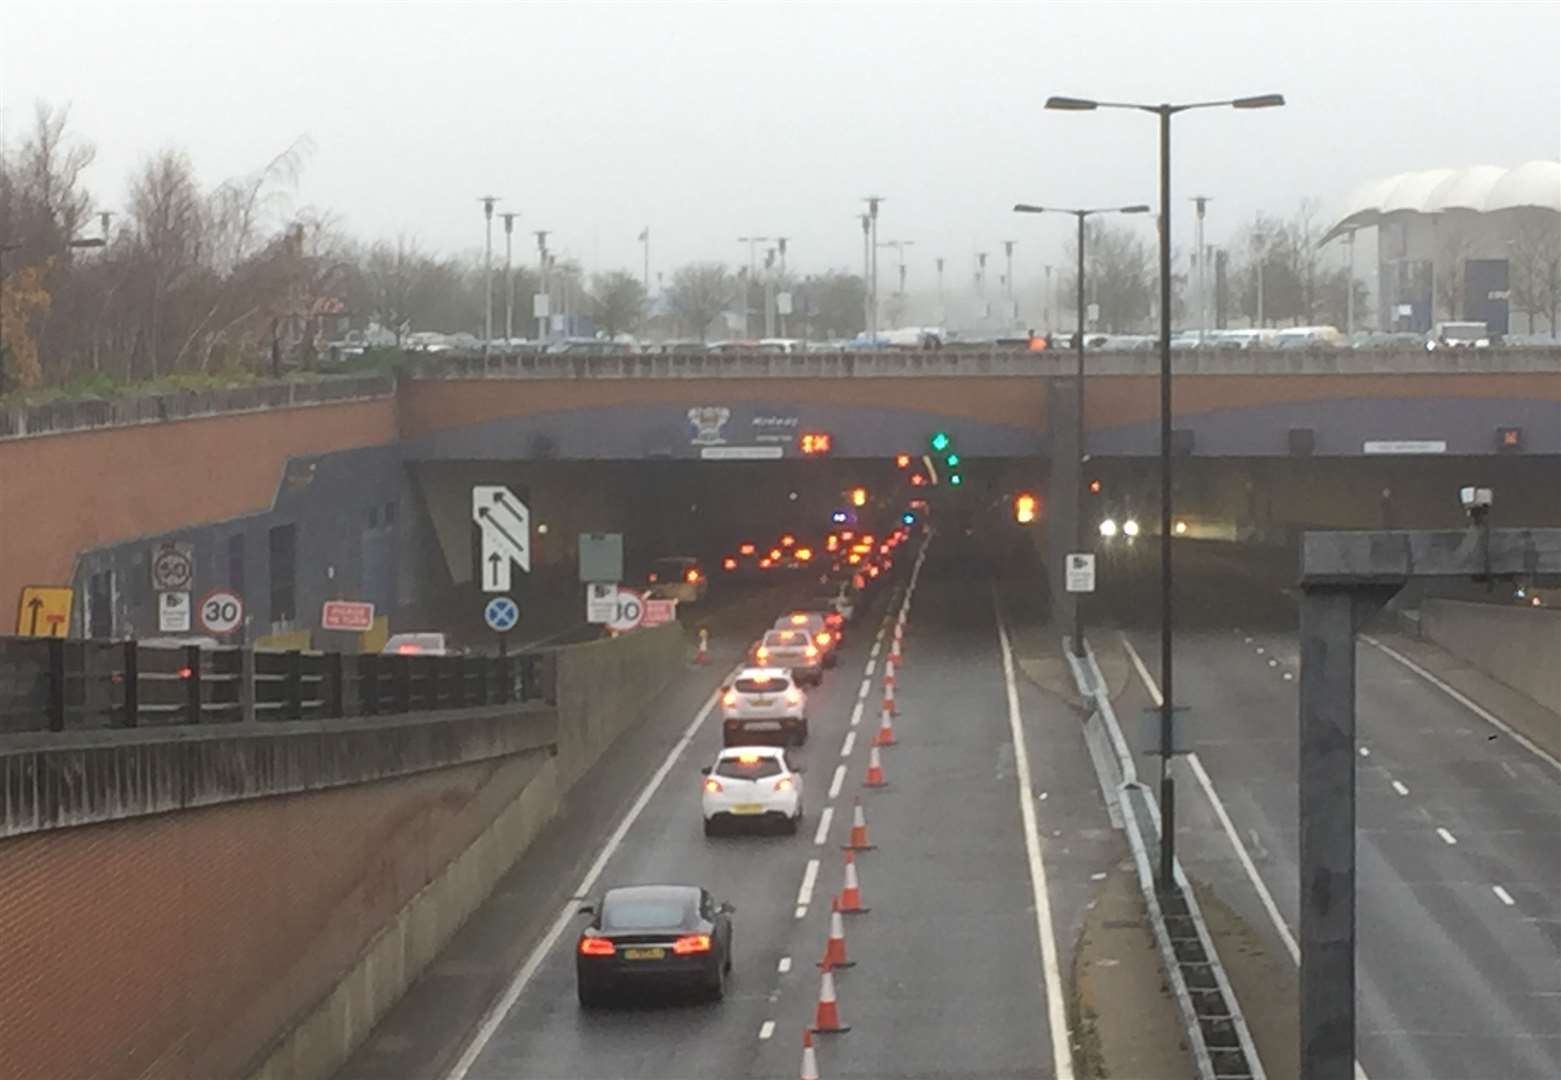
<point x="748" y="808"/>
<point x="760" y="701"/>
<point x="644" y="954"/>
<point x="762" y="725"/>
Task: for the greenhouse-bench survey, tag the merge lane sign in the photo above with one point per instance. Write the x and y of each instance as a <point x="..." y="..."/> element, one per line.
<point x="505" y="525"/>
<point x="44" y="611"/>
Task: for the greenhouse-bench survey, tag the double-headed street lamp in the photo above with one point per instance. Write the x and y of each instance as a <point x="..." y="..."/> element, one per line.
<point x="1165" y="111"/>
<point x="1079" y="533"/>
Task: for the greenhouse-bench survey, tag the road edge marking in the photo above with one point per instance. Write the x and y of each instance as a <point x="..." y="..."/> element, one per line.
<point x="1056" y="1008"/>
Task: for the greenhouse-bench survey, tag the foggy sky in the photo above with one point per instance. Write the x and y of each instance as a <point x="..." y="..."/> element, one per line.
<point x="707" y="122"/>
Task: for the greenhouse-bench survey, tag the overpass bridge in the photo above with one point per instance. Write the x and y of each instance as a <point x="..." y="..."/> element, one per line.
<point x="354" y="489"/>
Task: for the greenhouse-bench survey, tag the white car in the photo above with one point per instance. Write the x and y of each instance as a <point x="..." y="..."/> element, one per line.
<point x="751" y="784"/>
<point x="764" y="704"/>
<point x="793" y="651"/>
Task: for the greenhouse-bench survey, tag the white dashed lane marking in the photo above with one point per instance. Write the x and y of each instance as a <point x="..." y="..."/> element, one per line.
<point x="1447" y="837"/>
<point x="1503" y="895"/>
<point x="824" y="820"/>
<point x="839" y="780"/>
<point x="849" y="745"/>
<point x="784" y="965"/>
<point x="766" y="1029"/>
<point x="1399" y="787"/>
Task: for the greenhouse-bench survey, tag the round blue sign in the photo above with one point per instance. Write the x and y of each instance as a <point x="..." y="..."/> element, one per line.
<point x="501" y="614"/>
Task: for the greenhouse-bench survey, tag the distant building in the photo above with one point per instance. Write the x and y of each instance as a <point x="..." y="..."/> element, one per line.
<point x="1478" y="243"/>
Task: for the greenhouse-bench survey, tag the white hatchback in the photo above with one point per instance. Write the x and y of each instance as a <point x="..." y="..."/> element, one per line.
<point x="762" y="705"/>
<point x="750" y="785"/>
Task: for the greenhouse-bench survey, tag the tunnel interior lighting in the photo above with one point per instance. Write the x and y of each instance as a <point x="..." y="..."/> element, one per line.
<point x="858" y="496"/>
<point x="1024" y="508"/>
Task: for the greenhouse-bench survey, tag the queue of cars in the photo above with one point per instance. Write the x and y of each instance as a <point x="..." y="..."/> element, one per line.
<point x="679" y="936"/>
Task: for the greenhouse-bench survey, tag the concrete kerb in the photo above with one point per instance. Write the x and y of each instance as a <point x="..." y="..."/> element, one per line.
<point x="1092" y="686"/>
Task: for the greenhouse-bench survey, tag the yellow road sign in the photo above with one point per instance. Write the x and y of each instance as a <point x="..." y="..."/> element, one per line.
<point x="44" y="611"/>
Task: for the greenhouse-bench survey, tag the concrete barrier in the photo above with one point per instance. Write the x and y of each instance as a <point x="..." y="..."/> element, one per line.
<point x="1520" y="646"/>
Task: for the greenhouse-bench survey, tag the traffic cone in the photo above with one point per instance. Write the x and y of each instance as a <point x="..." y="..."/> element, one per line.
<point x="858" y="830"/>
<point x="835" y="947"/>
<point x="885" y="733"/>
<point x="809" y="1058"/>
<point x="703" y="655"/>
<point x="888" y="701"/>
<point x="875" y="776"/>
<point x="827" y="1020"/>
<point x="850" y="902"/>
<point x="888" y="671"/>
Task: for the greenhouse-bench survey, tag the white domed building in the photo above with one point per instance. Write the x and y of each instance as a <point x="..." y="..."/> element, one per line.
<point x="1481" y="243"/>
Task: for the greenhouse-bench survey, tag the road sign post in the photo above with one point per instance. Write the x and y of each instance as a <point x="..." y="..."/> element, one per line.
<point x="221" y="612"/>
<point x="173" y="613"/>
<point x="601" y="602"/>
<point x="1081" y="572"/>
<point x="173" y="566"/>
<point x="44" y="611"/>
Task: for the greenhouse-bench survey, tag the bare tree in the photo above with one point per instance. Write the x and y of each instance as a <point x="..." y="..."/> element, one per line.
<point x="699" y="293"/>
<point x="1119" y="274"/>
<point x="1534" y="269"/>
<point x="617" y="300"/>
<point x="168" y="219"/>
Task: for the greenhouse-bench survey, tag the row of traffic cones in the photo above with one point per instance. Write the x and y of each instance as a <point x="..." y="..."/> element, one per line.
<point x="827" y="1020"/>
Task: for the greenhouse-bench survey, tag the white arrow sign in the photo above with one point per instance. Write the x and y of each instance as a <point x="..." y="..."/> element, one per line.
<point x="506" y="534"/>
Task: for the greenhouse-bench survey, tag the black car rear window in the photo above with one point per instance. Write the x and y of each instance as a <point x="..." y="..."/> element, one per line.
<point x="737" y="769"/>
<point x="640" y="913"/>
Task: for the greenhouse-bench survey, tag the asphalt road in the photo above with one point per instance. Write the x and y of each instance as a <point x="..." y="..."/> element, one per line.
<point x="959" y="964"/>
<point x="1459" y="879"/>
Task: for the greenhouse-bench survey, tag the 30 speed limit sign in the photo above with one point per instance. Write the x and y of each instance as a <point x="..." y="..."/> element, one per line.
<point x="221" y="612"/>
<point x="628" y="612"/>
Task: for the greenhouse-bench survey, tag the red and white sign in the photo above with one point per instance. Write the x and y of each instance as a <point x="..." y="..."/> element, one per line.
<point x="658" y="612"/>
<point x="351" y="615"/>
<point x="628" y="612"/>
<point x="221" y="612"/>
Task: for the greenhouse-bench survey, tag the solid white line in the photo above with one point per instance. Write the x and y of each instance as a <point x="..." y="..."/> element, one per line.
<point x="1447" y="837"/>
<point x="784" y="965"/>
<point x="823" y="825"/>
<point x="809" y="879"/>
<point x="856" y="714"/>
<point x="766" y="1029"/>
<point x="1056" y="1011"/>
<point x="1503" y="895"/>
<point x="837" y="782"/>
<point x="1265" y="897"/>
<point x="849" y="745"/>
<point x="500" y="1009"/>
<point x="1399" y="787"/>
<point x="1462" y="699"/>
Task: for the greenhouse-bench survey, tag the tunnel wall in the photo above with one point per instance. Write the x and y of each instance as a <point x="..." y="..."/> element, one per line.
<point x="1520" y="646"/>
<point x="269" y="929"/>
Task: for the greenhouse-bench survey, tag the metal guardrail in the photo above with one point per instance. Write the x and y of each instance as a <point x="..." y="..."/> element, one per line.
<point x="959" y="362"/>
<point x="61" y="416"/>
<point x="52" y="684"/>
<point x="1213" y="1024"/>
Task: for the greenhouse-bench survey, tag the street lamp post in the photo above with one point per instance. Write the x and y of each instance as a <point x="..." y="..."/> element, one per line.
<point x="873" y="202"/>
<point x="487" y="272"/>
<point x="753" y="243"/>
<point x="1164" y="112"/>
<point x="867" y="269"/>
<point x="1012" y="314"/>
<point x="509" y="281"/>
<point x="942" y="312"/>
<point x="542" y="285"/>
<point x="1202" y="202"/>
<point x="1080" y="534"/>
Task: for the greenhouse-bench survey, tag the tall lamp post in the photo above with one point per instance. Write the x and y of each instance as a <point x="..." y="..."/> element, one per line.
<point x="509" y="281"/>
<point x="487" y="272"/>
<point x="1080" y="535"/>
<point x="1167" y="710"/>
<point x="753" y="243"/>
<point x="873" y="202"/>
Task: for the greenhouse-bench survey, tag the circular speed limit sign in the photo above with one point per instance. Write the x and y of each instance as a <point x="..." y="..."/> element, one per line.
<point x="627" y="612"/>
<point x="221" y="612"/>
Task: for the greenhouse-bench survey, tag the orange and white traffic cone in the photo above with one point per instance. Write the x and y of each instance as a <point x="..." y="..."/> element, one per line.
<point x="888" y="700"/>
<point x="888" y="671"/>
<point x="809" y="1058"/>
<point x="850" y="902"/>
<point x="827" y="1020"/>
<point x="875" y="775"/>
<point x="858" y="830"/>
<point x="835" y="947"/>
<point x="703" y="655"/>
<point x="884" y="736"/>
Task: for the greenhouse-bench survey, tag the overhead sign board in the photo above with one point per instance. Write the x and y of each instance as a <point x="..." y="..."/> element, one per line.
<point x="501" y="614"/>
<point x="741" y="453"/>
<point x="505" y="524"/>
<point x="173" y="567"/>
<point x="658" y="612"/>
<point x="221" y="612"/>
<point x="1080" y="572"/>
<point x="44" y="611"/>
<point x="355" y="616"/>
<point x="601" y="557"/>
<point x="601" y="602"/>
<point x="1404" y="446"/>
<point x="628" y="611"/>
<point x="173" y="613"/>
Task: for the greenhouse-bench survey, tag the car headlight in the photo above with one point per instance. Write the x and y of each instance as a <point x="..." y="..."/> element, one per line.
<point x="1108" y="528"/>
<point x="1130" y="527"/>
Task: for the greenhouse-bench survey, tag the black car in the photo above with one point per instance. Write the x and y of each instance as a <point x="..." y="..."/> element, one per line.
<point x="654" y="937"/>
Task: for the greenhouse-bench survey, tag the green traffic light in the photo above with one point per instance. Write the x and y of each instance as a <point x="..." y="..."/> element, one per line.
<point x="952" y="460"/>
<point x="940" y="441"/>
<point x="955" y="479"/>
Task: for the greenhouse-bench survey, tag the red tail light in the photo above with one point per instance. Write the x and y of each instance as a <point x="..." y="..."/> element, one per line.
<point x="746" y="549"/>
<point x="693" y="577"/>
<point x="409" y="649"/>
<point x="728" y="563"/>
<point x="834" y="619"/>
<point x="823" y="637"/>
<point x="762" y="653"/>
<point x="785" y="783"/>
<point x="812" y="652"/>
<point x="713" y="786"/>
<point x="652" y="578"/>
<point x="729" y="698"/>
<point x="793" y="697"/>
<point x="185" y="673"/>
<point x="596" y="946"/>
<point x="689" y="944"/>
<point x="788" y="540"/>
